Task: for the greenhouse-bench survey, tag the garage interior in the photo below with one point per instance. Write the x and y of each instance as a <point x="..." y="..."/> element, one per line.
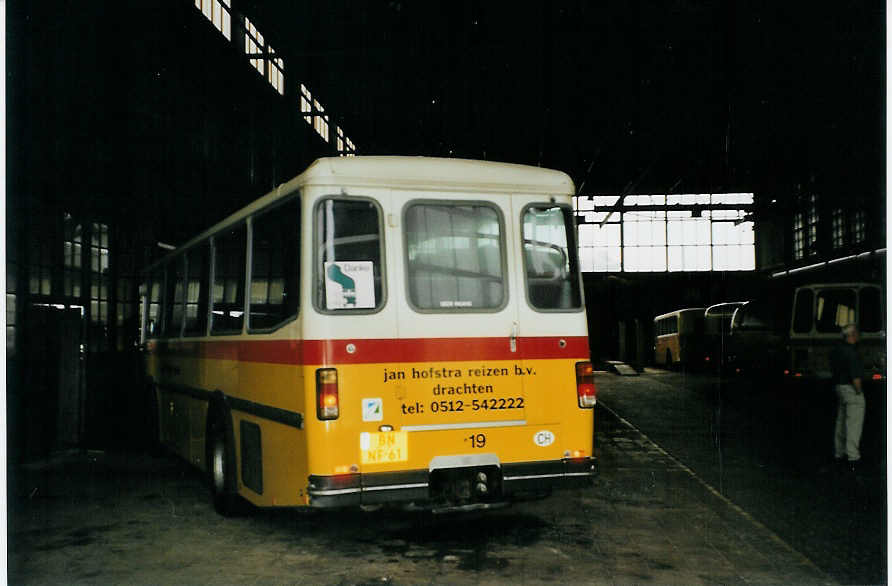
<point x="133" y="126"/>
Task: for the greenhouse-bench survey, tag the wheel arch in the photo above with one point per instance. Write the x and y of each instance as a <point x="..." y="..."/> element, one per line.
<point x="219" y="420"/>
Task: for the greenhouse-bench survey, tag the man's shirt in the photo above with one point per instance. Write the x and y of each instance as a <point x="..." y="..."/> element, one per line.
<point x="846" y="364"/>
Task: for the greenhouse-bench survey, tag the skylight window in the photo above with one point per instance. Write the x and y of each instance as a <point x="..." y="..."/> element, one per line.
<point x="320" y="122"/>
<point x="798" y="235"/>
<point x="219" y="13"/>
<point x="659" y="233"/>
<point x="839" y="228"/>
<point x="306" y="104"/>
<point x="275" y="72"/>
<point x="859" y="227"/>
<point x="254" y="45"/>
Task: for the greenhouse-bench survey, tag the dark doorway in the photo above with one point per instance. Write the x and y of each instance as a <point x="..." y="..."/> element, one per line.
<point x="51" y="400"/>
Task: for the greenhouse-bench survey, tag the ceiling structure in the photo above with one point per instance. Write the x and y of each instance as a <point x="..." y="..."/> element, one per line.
<point x="147" y="111"/>
<point x="645" y="97"/>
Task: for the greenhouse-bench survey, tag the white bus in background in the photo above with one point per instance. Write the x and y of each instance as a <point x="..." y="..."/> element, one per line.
<point x="678" y="337"/>
<point x="717" y="330"/>
<point x="819" y="313"/>
<point x="757" y="342"/>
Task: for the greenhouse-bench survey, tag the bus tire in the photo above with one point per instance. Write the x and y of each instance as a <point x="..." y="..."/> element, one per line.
<point x="221" y="460"/>
<point x="668" y="359"/>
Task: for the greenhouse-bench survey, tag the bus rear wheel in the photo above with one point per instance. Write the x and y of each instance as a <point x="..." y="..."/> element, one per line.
<point x="221" y="468"/>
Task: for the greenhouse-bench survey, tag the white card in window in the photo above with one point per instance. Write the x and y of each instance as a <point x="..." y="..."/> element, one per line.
<point x="349" y="284"/>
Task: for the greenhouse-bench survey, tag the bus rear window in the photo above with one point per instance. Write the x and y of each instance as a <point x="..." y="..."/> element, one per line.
<point x="455" y="257"/>
<point x="835" y="309"/>
<point x="667" y="325"/>
<point x="550" y="259"/>
<point x="348" y="272"/>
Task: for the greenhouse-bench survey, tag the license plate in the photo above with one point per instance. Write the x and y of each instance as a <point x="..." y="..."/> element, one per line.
<point x="384" y="447"/>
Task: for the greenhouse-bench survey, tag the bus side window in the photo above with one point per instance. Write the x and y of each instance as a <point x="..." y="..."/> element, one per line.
<point x="155" y="287"/>
<point x="228" y="312"/>
<point x="802" y="312"/>
<point x="870" y="310"/>
<point x="173" y="320"/>
<point x="196" y="290"/>
<point x="275" y="255"/>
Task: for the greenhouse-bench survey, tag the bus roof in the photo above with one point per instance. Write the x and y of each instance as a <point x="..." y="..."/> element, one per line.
<point x="433" y="173"/>
<point x="726" y="308"/>
<point x="410" y="173"/>
<point x="680" y="311"/>
<point x="838" y="285"/>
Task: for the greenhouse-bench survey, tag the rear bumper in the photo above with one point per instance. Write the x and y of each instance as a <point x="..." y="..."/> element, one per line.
<point x="414" y="486"/>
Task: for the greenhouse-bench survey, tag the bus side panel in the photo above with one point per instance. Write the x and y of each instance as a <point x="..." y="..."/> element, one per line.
<point x="667" y="345"/>
<point x="282" y="474"/>
<point x="283" y="447"/>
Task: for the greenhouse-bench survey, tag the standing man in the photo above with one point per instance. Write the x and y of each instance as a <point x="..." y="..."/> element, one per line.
<point x="847" y="374"/>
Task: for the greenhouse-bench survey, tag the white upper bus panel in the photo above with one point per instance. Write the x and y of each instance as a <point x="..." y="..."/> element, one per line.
<point x="422" y="173"/>
<point x="435" y="173"/>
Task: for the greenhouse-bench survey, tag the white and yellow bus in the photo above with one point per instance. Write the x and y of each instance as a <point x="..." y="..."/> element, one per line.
<point x="678" y="337"/>
<point x="379" y="330"/>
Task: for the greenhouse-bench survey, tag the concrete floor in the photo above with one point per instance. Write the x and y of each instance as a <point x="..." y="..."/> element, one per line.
<point x="767" y="447"/>
<point x="128" y="517"/>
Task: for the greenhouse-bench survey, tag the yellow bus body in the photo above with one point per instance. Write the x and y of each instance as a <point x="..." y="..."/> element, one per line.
<point x="429" y="402"/>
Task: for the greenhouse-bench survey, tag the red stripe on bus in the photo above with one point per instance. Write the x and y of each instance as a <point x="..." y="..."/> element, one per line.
<point x="367" y="351"/>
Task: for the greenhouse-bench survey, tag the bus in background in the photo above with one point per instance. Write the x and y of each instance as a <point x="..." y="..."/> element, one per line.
<point x="819" y="313"/>
<point x="716" y="329"/>
<point x="757" y="342"/>
<point x="678" y="337"/>
<point x="379" y="330"/>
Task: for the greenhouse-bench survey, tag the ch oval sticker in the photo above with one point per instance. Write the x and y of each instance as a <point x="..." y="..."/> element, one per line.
<point x="543" y="438"/>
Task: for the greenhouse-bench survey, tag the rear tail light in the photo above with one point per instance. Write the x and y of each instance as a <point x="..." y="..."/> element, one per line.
<point x="876" y="376"/>
<point x="585" y="385"/>
<point x="327" y="394"/>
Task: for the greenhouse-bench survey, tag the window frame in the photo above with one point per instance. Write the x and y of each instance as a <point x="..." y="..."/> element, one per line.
<point x="249" y="264"/>
<point x="170" y="296"/>
<point x="503" y="255"/>
<point x="213" y="279"/>
<point x="379" y="304"/>
<point x="881" y="314"/>
<point x="207" y="293"/>
<point x="572" y="250"/>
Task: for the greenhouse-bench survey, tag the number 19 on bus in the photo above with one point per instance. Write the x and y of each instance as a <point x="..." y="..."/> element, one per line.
<point x="478" y="440"/>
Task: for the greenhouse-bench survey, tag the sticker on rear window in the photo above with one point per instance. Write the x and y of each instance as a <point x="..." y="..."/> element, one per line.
<point x="349" y="284"/>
